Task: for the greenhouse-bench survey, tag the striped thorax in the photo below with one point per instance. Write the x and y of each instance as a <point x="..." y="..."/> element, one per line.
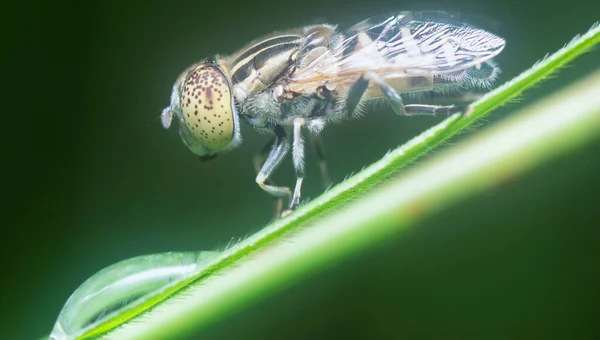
<point x="259" y="65"/>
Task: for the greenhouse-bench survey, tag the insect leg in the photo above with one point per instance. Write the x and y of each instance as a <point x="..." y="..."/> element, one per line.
<point x="317" y="143"/>
<point x="298" y="158"/>
<point x="257" y="161"/>
<point x="276" y="155"/>
<point x="360" y="86"/>
<point x="441" y="98"/>
<point x="432" y="110"/>
<point x="259" y="158"/>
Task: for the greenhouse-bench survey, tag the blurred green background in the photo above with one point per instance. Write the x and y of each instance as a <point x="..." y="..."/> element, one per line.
<point x="91" y="178"/>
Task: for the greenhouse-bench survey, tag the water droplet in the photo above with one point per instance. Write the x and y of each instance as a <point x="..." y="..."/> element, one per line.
<point x="122" y="286"/>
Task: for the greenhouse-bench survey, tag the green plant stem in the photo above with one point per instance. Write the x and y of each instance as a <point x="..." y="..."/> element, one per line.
<point x="558" y="125"/>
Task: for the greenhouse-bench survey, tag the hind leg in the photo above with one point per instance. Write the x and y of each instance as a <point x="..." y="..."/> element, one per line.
<point x="360" y="87"/>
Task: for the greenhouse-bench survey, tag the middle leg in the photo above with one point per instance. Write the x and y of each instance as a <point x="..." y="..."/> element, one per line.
<point x="298" y="159"/>
<point x="358" y="89"/>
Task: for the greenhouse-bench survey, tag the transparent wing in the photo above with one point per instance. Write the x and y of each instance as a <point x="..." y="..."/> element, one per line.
<point x="404" y="45"/>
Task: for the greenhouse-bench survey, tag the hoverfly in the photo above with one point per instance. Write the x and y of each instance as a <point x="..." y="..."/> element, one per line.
<point x="303" y="79"/>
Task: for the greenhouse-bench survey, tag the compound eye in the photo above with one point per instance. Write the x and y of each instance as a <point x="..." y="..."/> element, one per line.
<point x="207" y="107"/>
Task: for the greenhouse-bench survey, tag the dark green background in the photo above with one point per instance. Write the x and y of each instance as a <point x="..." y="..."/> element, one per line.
<point x="91" y="178"/>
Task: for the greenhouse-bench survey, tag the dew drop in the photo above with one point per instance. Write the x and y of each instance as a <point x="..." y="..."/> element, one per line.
<point x="122" y="286"/>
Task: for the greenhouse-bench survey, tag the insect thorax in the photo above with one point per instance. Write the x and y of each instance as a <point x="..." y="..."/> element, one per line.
<point x="259" y="72"/>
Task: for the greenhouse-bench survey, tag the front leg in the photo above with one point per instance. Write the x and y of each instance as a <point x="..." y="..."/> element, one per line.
<point x="276" y="155"/>
<point x="258" y="161"/>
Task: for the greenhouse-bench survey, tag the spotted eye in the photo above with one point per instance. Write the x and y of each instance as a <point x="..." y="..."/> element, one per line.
<point x="207" y="108"/>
